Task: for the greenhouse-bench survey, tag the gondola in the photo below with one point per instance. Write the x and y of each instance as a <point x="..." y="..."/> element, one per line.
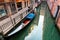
<point x="24" y="23"/>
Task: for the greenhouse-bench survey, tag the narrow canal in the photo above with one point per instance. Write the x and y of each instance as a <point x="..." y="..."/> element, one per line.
<point x="33" y="31"/>
<point x="22" y="35"/>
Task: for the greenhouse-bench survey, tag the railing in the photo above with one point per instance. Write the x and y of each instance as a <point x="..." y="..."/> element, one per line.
<point x="8" y="23"/>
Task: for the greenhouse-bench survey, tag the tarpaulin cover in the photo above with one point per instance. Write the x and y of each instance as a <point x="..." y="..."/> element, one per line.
<point x="30" y="16"/>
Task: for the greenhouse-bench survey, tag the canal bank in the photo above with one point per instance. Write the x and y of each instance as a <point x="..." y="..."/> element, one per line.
<point x="37" y="30"/>
<point x="28" y="29"/>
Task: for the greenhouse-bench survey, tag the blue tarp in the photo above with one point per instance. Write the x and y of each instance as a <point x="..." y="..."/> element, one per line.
<point x="30" y="16"/>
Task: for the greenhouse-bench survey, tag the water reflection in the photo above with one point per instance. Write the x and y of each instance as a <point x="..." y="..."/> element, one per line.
<point x="30" y="32"/>
<point x="33" y="31"/>
<point x="37" y="30"/>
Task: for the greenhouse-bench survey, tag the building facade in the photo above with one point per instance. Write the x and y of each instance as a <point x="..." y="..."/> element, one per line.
<point x="11" y="13"/>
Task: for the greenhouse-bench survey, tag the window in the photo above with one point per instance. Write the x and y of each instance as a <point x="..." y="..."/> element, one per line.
<point x="19" y="5"/>
<point x="2" y="11"/>
<point x="13" y="8"/>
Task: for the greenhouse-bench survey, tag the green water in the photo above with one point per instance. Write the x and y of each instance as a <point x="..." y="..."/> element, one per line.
<point x="21" y="35"/>
<point x="50" y="31"/>
<point x="30" y="32"/>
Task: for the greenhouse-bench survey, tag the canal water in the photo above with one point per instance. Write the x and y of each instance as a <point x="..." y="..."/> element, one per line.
<point x="27" y="33"/>
<point x="37" y="30"/>
<point x="33" y="31"/>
